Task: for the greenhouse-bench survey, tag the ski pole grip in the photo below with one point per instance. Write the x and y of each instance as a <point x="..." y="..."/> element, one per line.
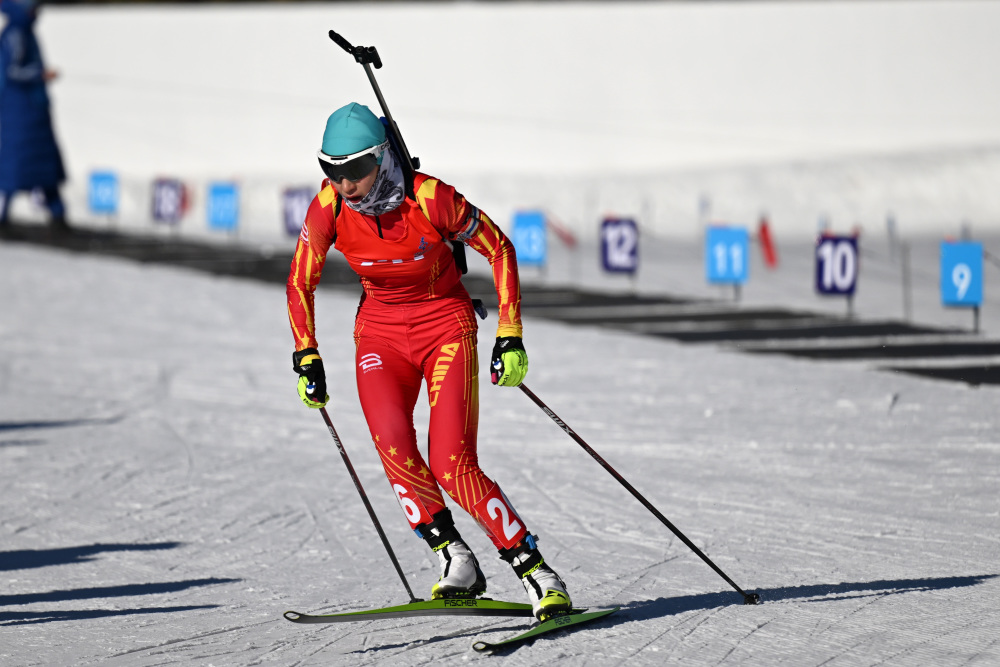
<point x="341" y="42"/>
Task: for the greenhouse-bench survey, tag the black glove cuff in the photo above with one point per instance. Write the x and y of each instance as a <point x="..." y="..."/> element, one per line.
<point x="297" y="358"/>
<point x="505" y="343"/>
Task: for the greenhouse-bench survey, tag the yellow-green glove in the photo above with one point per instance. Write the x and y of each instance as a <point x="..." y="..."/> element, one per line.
<point x="312" y="378"/>
<point x="510" y="362"/>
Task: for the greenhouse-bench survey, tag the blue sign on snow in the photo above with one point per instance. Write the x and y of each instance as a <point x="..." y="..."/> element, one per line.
<point x="620" y="245"/>
<point x="529" y="238"/>
<point x="103" y="192"/>
<point x="294" y="206"/>
<point x="223" y="206"/>
<point x="961" y="273"/>
<point x="727" y="254"/>
<point x="836" y="264"/>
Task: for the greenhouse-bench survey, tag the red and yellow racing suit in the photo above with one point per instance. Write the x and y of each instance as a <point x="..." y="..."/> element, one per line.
<point x="416" y="323"/>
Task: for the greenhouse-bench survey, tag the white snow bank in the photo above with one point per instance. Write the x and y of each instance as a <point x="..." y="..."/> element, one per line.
<point x="802" y="109"/>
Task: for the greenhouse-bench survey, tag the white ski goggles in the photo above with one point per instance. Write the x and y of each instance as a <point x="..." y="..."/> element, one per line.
<point x="353" y="167"/>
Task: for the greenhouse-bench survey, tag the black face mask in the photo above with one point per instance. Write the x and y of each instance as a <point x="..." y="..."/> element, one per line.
<point x="354" y="170"/>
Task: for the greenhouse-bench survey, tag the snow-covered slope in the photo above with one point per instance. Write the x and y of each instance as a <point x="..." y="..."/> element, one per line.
<point x="166" y="497"/>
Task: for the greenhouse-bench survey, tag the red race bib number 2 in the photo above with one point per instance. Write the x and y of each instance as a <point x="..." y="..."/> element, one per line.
<point x="496" y="514"/>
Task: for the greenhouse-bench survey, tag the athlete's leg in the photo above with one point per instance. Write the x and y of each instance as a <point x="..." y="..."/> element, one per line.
<point x="452" y="374"/>
<point x="388" y="386"/>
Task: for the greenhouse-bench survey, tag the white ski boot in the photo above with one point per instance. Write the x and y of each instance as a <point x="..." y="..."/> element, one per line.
<point x="460" y="573"/>
<point x="545" y="589"/>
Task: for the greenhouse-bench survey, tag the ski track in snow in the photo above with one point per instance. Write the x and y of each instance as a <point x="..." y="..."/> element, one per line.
<point x="166" y="497"/>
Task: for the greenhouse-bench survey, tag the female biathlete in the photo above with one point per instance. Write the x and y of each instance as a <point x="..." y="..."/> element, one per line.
<point x="416" y="323"/>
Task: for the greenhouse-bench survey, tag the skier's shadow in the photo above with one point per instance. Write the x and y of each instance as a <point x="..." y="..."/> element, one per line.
<point x="26" y="617"/>
<point x="57" y="423"/>
<point x="672" y="606"/>
<point x="36" y="558"/>
<point x="25" y="559"/>
<point x="505" y="628"/>
<point x="32" y="617"/>
<point x="23" y="442"/>
<point x="471" y="634"/>
<point x="35" y="425"/>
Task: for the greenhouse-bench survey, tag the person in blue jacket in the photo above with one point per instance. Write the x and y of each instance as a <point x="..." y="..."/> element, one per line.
<point x="29" y="156"/>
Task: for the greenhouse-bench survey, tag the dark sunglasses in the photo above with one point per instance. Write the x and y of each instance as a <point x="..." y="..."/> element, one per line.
<point x="353" y="167"/>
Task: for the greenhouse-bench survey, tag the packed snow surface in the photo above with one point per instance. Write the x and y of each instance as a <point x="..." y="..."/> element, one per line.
<point x="166" y="497"/>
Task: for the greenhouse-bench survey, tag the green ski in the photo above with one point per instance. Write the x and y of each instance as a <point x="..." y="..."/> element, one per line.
<point x="448" y="607"/>
<point x="568" y="621"/>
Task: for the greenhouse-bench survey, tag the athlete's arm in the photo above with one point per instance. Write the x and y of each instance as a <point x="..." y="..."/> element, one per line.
<point x="473" y="227"/>
<point x="460" y="221"/>
<point x="483" y="236"/>
<point x="307" y="267"/>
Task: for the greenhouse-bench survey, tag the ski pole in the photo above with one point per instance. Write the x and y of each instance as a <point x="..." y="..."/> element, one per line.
<point x="748" y="598"/>
<point x="368" y="505"/>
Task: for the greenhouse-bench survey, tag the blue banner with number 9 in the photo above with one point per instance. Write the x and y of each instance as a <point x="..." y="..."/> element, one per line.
<point x="961" y="273"/>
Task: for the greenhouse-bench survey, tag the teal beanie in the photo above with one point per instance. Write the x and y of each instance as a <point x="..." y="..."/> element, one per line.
<point x="350" y="129"/>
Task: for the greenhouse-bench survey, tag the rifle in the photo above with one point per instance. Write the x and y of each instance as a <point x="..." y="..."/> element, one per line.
<point x="367" y="57"/>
